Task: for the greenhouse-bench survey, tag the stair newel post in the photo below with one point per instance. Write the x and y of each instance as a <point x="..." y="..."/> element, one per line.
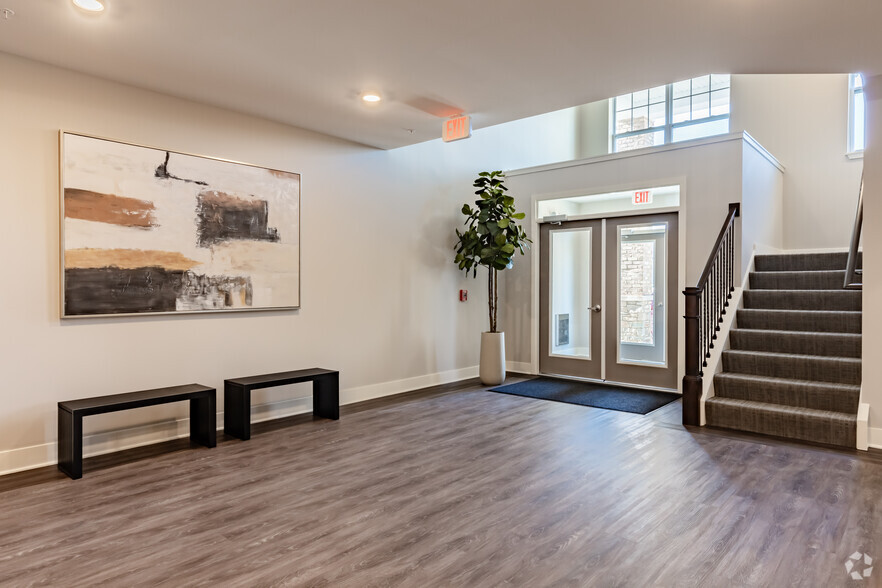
<point x="692" y="378"/>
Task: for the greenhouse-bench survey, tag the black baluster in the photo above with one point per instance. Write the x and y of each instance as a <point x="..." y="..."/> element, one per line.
<point x="706" y="336"/>
<point x="728" y="269"/>
<point x="718" y="306"/>
<point x="700" y="350"/>
<point x="732" y="260"/>
<point x="722" y="301"/>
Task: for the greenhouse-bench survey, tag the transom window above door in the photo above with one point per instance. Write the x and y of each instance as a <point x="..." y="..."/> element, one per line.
<point x="689" y="109"/>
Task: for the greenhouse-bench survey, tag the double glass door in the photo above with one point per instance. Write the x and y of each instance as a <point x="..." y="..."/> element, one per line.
<point x="608" y="300"/>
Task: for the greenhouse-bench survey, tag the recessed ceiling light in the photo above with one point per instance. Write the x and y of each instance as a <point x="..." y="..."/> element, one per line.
<point x="89" y="5"/>
<point x="371" y="97"/>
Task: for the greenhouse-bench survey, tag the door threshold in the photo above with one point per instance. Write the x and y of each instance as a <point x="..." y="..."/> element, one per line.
<point x="611" y="383"/>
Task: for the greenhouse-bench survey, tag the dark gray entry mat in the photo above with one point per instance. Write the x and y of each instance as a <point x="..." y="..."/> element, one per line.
<point x="590" y="394"/>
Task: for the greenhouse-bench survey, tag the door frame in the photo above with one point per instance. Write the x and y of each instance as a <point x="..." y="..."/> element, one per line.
<point x="596" y="364"/>
<point x="682" y="222"/>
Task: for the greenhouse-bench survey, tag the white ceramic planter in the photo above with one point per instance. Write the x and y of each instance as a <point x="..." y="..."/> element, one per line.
<point x="492" y="368"/>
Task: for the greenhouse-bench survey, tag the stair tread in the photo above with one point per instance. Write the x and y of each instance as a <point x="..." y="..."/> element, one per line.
<point x="796" y="322"/>
<point x="835" y="258"/>
<point x="776" y="310"/>
<point x="788" y="391"/>
<point x="798" y="271"/>
<point x="826" y="321"/>
<point x="789" y="381"/>
<point x="797" y="279"/>
<point x="797" y="291"/>
<point x="776" y="354"/>
<point x="783" y="408"/>
<point x="787" y="333"/>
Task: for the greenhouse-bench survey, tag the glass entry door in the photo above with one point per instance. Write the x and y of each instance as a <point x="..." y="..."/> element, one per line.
<point x="608" y="300"/>
<point x="641" y="293"/>
<point x="570" y="299"/>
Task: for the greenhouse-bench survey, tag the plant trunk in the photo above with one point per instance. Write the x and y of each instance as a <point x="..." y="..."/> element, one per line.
<point x="492" y="297"/>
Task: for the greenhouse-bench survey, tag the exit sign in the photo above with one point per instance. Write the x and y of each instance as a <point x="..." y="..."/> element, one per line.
<point x="457" y="128"/>
<point x="643" y="197"/>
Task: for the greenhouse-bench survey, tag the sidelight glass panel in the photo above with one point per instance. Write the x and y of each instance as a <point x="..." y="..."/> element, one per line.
<point x="641" y="294"/>
<point x="570" y="281"/>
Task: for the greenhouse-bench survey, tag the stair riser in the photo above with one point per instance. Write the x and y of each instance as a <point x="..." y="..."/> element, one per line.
<point x="799" y="321"/>
<point x="803" y="299"/>
<point x="827" y="280"/>
<point x="827" y="345"/>
<point x="838" y="370"/>
<point x="793" y="426"/>
<point x="833" y="398"/>
<point x="803" y="262"/>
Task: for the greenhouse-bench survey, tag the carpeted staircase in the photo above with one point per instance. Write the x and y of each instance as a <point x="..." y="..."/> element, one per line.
<point x="794" y="364"/>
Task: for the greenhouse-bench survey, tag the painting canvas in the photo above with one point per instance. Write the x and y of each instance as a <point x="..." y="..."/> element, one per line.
<point x="151" y="231"/>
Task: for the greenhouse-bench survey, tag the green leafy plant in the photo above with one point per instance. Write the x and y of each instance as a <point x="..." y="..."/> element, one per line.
<point x="492" y="236"/>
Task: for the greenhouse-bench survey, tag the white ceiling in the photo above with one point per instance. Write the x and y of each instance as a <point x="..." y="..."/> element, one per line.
<point x="305" y="62"/>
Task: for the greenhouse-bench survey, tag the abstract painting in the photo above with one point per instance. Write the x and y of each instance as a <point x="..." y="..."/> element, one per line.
<point x="151" y="231"/>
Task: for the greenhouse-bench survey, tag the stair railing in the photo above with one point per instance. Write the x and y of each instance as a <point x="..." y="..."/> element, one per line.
<point x="854" y="279"/>
<point x="706" y="304"/>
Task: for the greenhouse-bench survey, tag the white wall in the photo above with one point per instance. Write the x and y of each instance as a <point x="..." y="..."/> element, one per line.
<point x="709" y="173"/>
<point x="762" y="205"/>
<point x="871" y="387"/>
<point x="802" y="120"/>
<point x="379" y="288"/>
<point x="593" y="129"/>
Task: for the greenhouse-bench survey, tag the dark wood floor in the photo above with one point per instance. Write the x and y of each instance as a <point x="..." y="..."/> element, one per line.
<point x="453" y="488"/>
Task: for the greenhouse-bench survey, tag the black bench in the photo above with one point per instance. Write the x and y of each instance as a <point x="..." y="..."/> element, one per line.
<point x="203" y="418"/>
<point x="237" y="396"/>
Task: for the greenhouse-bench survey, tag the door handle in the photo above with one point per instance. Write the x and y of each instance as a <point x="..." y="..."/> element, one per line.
<point x="595" y="308"/>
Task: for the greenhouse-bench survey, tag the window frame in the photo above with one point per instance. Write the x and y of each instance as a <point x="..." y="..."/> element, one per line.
<point x="853" y="90"/>
<point x="670" y="126"/>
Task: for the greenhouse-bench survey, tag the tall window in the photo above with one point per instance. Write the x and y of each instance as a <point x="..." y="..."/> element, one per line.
<point x="857" y="121"/>
<point x="685" y="110"/>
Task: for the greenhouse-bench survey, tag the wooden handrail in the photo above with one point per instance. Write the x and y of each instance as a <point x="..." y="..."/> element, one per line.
<point x="706" y="303"/>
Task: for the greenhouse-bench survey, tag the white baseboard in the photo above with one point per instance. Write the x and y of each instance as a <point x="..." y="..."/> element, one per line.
<point x="863" y="430"/>
<point x="522" y="367"/>
<point x="36" y="456"/>
<point x="372" y="391"/>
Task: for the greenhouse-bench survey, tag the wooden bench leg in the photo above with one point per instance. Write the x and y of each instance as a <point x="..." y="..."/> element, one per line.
<point x="203" y="420"/>
<point x="326" y="396"/>
<point x="70" y="444"/>
<point x="237" y="411"/>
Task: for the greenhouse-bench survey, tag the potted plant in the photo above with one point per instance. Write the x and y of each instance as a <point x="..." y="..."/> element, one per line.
<point x="491" y="239"/>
